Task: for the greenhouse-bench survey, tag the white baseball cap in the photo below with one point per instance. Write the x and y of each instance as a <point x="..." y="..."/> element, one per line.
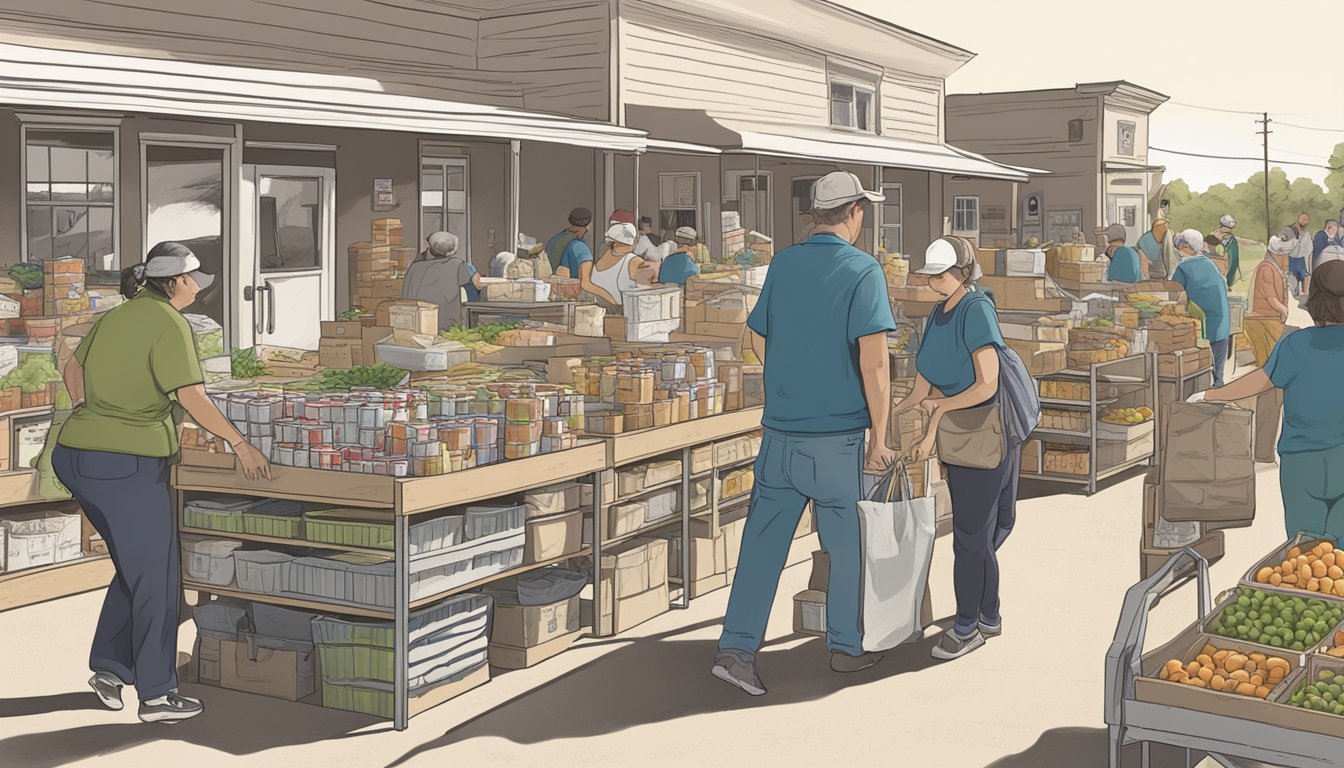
<point x="624" y="234"/>
<point x="945" y="253"/>
<point x="686" y="233"/>
<point x="170" y="259"/>
<point x="1228" y="221"/>
<point x="839" y="187"/>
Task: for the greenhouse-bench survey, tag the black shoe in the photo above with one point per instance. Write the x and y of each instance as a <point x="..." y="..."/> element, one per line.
<point x="169" y="708"/>
<point x="738" y="669"/>
<point x="844" y="663"/>
<point x="953" y="647"/>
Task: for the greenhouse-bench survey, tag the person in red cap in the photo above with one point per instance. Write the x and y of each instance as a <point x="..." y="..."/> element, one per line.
<point x="622" y="216"/>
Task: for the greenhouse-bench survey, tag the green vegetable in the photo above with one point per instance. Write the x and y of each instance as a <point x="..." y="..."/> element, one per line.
<point x="487" y="333"/>
<point x="246" y="364"/>
<point x="28" y="276"/>
<point x="379" y="376"/>
<point x="353" y="314"/>
<point x="1279" y="621"/>
<point x="34" y="373"/>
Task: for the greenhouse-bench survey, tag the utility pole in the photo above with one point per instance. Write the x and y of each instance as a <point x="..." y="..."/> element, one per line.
<point x="1264" y="121"/>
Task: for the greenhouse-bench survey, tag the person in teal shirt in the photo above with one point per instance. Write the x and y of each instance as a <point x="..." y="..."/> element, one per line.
<point x="1227" y="238"/>
<point x="1155" y="246"/>
<point x="678" y="267"/>
<point x="1203" y="283"/>
<point x="1125" y="266"/>
<point x="820" y="327"/>
<point x="1308" y="365"/>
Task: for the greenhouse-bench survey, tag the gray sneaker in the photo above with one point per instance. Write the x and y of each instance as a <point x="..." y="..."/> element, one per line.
<point x="170" y="708"/>
<point x="843" y="662"/>
<point x="953" y="647"/>
<point x="739" y="669"/>
<point x="108" y="687"/>
<point x="991" y="630"/>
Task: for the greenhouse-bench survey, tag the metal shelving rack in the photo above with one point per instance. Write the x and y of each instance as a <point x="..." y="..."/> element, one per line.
<point x="1138" y="371"/>
<point x="403" y="500"/>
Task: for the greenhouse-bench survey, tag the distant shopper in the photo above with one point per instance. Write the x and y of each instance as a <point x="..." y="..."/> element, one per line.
<point x="958" y="368"/>
<point x="622" y="216"/>
<point x="1157" y="249"/>
<point x="1327" y="237"/>
<point x="679" y="265"/>
<point x="1267" y="313"/>
<point x="1206" y="288"/>
<point x="1125" y="262"/>
<point x="473" y="287"/>
<point x="568" y="250"/>
<point x="1299" y="261"/>
<point x="820" y="326"/>
<point x="647" y="245"/>
<point x="1213" y="249"/>
<point x="1227" y="238"/>
<point x="614" y="273"/>
<point x="1308" y="366"/>
<point x="114" y="454"/>
<point x="438" y="276"/>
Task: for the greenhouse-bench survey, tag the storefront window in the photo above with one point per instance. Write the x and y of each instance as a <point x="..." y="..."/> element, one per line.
<point x="443" y="198"/>
<point x="678" y="201"/>
<point x="892" y="239"/>
<point x="185" y="194"/>
<point x="966" y="215"/>
<point x="70" y="194"/>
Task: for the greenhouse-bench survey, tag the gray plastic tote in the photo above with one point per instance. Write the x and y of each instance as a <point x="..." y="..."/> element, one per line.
<point x="897" y="533"/>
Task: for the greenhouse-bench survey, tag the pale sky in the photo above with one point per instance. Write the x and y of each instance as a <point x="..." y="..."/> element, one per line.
<point x="1285" y="57"/>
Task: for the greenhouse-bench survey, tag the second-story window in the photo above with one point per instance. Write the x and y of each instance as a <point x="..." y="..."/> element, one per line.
<point x="852" y="105"/>
<point x="1125" y="135"/>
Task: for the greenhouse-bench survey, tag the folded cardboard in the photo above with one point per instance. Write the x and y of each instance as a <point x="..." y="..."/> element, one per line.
<point x="512" y="657"/>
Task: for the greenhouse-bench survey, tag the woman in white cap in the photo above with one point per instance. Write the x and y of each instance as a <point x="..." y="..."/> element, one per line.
<point x="1206" y="288"/>
<point x="679" y="267"/>
<point x="614" y="273"/>
<point x="1231" y="249"/>
<point x="1267" y="310"/>
<point x="114" y="454"/>
<point x="957" y="368"/>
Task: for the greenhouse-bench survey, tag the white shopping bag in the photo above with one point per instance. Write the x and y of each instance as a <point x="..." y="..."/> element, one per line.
<point x="897" y="532"/>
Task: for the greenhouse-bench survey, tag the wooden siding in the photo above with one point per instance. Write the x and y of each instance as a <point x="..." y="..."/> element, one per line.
<point x="545" y="56"/>
<point x="911" y="106"/>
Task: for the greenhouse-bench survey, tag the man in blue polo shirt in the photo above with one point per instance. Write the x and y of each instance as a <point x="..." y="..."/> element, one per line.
<point x="1206" y="288"/>
<point x="820" y="326"/>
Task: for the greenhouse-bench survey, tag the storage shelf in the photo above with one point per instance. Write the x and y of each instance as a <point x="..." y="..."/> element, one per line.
<point x="739" y="464"/>
<point x="1060" y="433"/>
<point x="528" y="568"/>
<point x="310" y="604"/>
<point x="1082" y="404"/>
<point x="645" y="530"/>
<point x="52" y="582"/>
<point x="670" y="484"/>
<point x="1083" y="479"/>
<point x="283" y="541"/>
<point x="631" y="447"/>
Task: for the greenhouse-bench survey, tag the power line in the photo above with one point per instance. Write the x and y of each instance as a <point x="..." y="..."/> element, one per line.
<point x="1248" y="159"/>
<point x="1313" y="128"/>
<point x="1214" y="109"/>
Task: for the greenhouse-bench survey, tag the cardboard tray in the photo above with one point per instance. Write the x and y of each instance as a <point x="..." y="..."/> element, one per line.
<point x="1279" y="712"/>
<point x="1149" y="688"/>
<point x="1306" y="541"/>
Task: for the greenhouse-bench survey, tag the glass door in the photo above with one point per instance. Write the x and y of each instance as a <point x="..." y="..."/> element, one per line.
<point x="288" y="253"/>
<point x="185" y="193"/>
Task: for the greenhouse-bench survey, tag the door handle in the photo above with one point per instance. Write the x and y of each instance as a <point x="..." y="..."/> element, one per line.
<point x="270" y="308"/>
<point x="253" y="293"/>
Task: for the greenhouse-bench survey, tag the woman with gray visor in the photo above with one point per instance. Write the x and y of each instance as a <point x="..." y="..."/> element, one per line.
<point x="114" y="454"/>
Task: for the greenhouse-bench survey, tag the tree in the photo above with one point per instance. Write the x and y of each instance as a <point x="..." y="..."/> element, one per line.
<point x="1245" y="202"/>
<point x="1334" y="180"/>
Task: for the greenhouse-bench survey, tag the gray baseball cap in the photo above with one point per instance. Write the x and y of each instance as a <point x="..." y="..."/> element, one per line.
<point x="838" y="188"/>
<point x="170" y="259"/>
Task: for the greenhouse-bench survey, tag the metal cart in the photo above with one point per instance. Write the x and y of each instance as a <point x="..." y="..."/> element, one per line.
<point x="1227" y="740"/>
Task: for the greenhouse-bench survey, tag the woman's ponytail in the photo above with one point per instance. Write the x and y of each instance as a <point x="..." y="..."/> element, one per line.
<point x="132" y="280"/>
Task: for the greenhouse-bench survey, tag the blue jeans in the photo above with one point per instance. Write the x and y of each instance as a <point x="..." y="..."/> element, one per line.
<point x="126" y="499"/>
<point x="791" y="469"/>
<point x="1219" y="349"/>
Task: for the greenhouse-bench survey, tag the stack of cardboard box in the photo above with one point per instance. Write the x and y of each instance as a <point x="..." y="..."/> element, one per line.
<point x="634" y="586"/>
<point x="714" y="554"/>
<point x="719" y="310"/>
<point x="1025" y="294"/>
<point x="522" y="636"/>
<point x="734" y="241"/>
<point x="380" y="265"/>
<point x="349" y="343"/>
<point x="63" y="287"/>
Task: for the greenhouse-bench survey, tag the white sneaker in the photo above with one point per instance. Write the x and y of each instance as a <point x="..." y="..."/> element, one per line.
<point x="108" y="687"/>
<point x="170" y="708"/>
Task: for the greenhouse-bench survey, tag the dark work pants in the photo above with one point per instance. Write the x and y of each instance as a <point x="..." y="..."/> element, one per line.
<point x="127" y="500"/>
<point x="984" y="508"/>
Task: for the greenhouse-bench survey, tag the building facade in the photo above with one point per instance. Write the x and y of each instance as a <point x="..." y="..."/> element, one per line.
<point x="1093" y="140"/>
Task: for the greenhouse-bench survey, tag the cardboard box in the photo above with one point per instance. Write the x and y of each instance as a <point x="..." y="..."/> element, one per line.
<point x="1042" y="358"/>
<point x="205" y="664"/>
<point x="338" y="353"/>
<point x="289" y="675"/>
<point x="1212" y="546"/>
<point x="527" y="626"/>
<point x="1019" y="262"/>
<point x="589" y="320"/>
<point x="1024" y="294"/>
<point x="720" y="330"/>
<point x="1185" y="362"/>
<point x="920" y="293"/>
<point x="988" y="259"/>
<point x="342" y="329"/>
<point x="1077" y="273"/>
<point x="415" y="316"/>
<point x="554" y="536"/>
<point x="809" y="613"/>
<point x="510" y="657"/>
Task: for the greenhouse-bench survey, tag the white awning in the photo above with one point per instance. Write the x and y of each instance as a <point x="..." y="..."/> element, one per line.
<point x="39" y="77"/>
<point x="869" y="149"/>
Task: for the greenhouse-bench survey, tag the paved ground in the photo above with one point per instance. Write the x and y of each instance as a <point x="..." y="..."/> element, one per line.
<point x="1030" y="699"/>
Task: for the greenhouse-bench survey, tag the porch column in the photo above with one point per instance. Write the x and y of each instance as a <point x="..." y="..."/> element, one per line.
<point x="515" y="193"/>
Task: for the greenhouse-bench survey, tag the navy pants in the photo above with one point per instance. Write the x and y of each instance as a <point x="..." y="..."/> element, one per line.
<point x="127" y="500"/>
<point x="984" y="509"/>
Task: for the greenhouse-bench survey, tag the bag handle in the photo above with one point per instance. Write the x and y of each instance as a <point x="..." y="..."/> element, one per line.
<point x="884" y="491"/>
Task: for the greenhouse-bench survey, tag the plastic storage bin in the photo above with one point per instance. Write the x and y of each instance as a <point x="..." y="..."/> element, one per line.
<point x="467" y="563"/>
<point x="274" y="517"/>
<point x="261" y="570"/>
<point x="328" y="630"/>
<point x="209" y="561"/>
<point x="483" y="521"/>
<point x="378" y="699"/>
<point x="457" y="638"/>
<point x="368" y="528"/>
<point x="272" y="621"/>
<point x="548" y="586"/>
<point x="350" y="578"/>
<point x="221" y="619"/>
<point x="224" y="513"/>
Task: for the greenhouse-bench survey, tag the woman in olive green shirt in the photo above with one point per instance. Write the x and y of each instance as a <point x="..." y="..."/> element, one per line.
<point x="114" y="454"/>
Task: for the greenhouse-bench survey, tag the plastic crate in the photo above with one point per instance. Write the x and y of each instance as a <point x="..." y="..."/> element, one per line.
<point x="366" y="528"/>
<point x="470" y="562"/>
<point x="276" y="518"/>
<point x="378" y="699"/>
<point x="350" y="578"/>
<point x="272" y="621"/>
<point x="209" y="561"/>
<point x="222" y="514"/>
<point x="483" y="521"/>
<point x="371" y="663"/>
<point x="424" y="623"/>
<point x="262" y="571"/>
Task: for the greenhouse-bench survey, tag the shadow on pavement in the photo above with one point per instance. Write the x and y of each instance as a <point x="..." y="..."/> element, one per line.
<point x="664" y="679"/>
<point x="1088" y="748"/>
<point x="43" y="705"/>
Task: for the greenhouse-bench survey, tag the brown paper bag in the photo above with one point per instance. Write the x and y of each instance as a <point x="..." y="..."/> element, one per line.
<point x="1208" y="472"/>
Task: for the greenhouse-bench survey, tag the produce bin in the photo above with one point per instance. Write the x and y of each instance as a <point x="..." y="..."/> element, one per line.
<point x="1150" y="688"/>
<point x="1304" y="540"/>
<point x="1229" y="604"/>
<point x="373" y="529"/>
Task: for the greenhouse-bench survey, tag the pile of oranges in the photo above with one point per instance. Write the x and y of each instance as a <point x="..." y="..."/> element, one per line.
<point x="1319" y="569"/>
